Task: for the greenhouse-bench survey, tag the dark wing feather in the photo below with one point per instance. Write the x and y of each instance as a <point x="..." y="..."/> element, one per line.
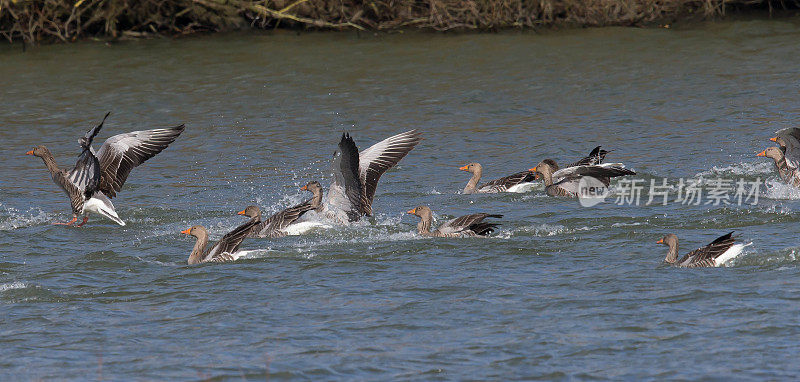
<point x="468" y="222"/>
<point x="275" y="224"/>
<point x="86" y="140"/>
<point x="791" y="150"/>
<point x="231" y="242"/>
<point x="712" y="250"/>
<point x="346" y="180"/>
<point x="597" y="156"/>
<point x="121" y="153"/>
<point x="85" y="176"/>
<point x="603" y="171"/>
<point x="512" y="180"/>
<point x="380" y="157"/>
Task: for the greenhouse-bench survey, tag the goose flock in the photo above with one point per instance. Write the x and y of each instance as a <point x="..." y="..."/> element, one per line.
<point x="99" y="175"/>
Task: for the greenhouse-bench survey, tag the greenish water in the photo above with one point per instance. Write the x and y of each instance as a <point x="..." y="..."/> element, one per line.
<point x="560" y="292"/>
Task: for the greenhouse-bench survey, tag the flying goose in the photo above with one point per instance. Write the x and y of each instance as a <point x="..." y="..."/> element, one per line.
<point x="715" y="254"/>
<point x="511" y="183"/>
<point x="227" y="248"/>
<point x="356" y="174"/>
<point x="275" y="225"/>
<point x="98" y="177"/>
<point x="789" y="175"/>
<point x="568" y="179"/>
<point x="464" y="226"/>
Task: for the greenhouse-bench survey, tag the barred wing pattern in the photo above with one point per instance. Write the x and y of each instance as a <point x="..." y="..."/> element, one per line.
<point x="230" y="243"/>
<point x="468" y="225"/>
<point x="274" y="225"/>
<point x="121" y="153"/>
<point x="380" y="157"/>
<point x="706" y="256"/>
<point x="503" y="184"/>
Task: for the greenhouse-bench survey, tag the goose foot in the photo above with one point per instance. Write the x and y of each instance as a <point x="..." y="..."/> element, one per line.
<point x="71" y="222"/>
<point x="85" y="219"/>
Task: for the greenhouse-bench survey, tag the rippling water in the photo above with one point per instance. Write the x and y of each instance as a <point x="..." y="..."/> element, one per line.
<point x="560" y="292"/>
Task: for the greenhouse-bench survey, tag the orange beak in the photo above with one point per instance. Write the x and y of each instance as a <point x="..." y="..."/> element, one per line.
<point x="304" y="188"/>
<point x="532" y="170"/>
<point x="774" y="139"/>
<point x="660" y="241"/>
<point x="762" y="154"/>
<point x="186" y="231"/>
<point x="240" y="212"/>
<point x="30" y="152"/>
<point x="412" y="211"/>
<point x="464" y="168"/>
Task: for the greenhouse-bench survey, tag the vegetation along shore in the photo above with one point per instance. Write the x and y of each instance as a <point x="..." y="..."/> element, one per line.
<point x="33" y="21"/>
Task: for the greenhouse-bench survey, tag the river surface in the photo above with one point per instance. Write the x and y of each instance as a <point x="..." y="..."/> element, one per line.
<point x="560" y="291"/>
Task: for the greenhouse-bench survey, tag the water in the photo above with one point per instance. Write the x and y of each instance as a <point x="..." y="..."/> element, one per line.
<point x="560" y="291"/>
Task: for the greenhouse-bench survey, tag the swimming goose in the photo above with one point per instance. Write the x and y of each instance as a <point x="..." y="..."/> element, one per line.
<point x="715" y="254"/>
<point x="464" y="226"/>
<point x="356" y="174"/>
<point x="227" y="248"/>
<point x="510" y="183"/>
<point x="789" y="175"/>
<point x="98" y="177"/>
<point x="568" y="179"/>
<point x="275" y="225"/>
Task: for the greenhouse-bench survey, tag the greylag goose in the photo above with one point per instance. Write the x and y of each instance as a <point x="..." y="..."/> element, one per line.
<point x="275" y="225"/>
<point x="356" y="174"/>
<point x="715" y="254"/>
<point x="788" y="174"/>
<point x="787" y="156"/>
<point x="567" y="180"/>
<point x="98" y="177"/>
<point x="227" y="248"/>
<point x="464" y="226"/>
<point x="511" y="183"/>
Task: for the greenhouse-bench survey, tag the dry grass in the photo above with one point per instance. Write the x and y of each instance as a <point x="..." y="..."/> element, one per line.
<point x="66" y="20"/>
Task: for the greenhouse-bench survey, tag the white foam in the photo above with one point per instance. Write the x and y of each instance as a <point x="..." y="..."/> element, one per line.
<point x="20" y="220"/>
<point x="777" y="189"/>
<point x="544" y="229"/>
<point x="742" y="168"/>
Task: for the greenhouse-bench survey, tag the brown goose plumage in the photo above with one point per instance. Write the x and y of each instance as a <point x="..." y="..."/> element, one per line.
<point x="356" y="174"/>
<point x="226" y="249"/>
<point x="464" y="226"/>
<point x="714" y="254"/>
<point x="777" y="154"/>
<point x="567" y="185"/>
<point x="275" y="225"/>
<point x="495" y="186"/>
<point x="98" y="177"/>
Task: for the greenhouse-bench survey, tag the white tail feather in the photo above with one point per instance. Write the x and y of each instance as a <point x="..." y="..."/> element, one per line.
<point x="730" y="254"/>
<point x="100" y="205"/>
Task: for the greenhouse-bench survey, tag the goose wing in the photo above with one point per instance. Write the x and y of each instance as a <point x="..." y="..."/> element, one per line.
<point x="231" y="241"/>
<point x="121" y="153"/>
<point x="605" y="170"/>
<point x="595" y="157"/>
<point x="791" y="137"/>
<point x="347" y="191"/>
<point x="380" y="157"/>
<point x="281" y="220"/>
<point x="706" y="255"/>
<point x="473" y="222"/>
<point x="507" y="182"/>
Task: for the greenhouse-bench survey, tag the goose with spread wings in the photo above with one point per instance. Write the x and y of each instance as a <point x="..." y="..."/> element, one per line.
<point x="356" y="175"/>
<point x="787" y="155"/>
<point x="227" y="248"/>
<point x="566" y="182"/>
<point x="714" y="254"/>
<point x="97" y="177"/>
<point x="463" y="226"/>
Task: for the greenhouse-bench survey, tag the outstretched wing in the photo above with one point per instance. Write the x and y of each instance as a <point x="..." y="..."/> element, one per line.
<point x="503" y="184"/>
<point x="709" y="252"/>
<point x="346" y="192"/>
<point x="379" y="158"/>
<point x="86" y="140"/>
<point x="85" y="176"/>
<point x="595" y="157"/>
<point x="231" y="241"/>
<point x="605" y="170"/>
<point x="121" y="153"/>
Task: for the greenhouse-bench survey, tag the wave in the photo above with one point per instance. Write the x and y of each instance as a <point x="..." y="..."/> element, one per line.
<point x="16" y="219"/>
<point x="777" y="189"/>
<point x="741" y="168"/>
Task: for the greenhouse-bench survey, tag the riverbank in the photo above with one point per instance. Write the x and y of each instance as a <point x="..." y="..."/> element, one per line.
<point x="69" y="20"/>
